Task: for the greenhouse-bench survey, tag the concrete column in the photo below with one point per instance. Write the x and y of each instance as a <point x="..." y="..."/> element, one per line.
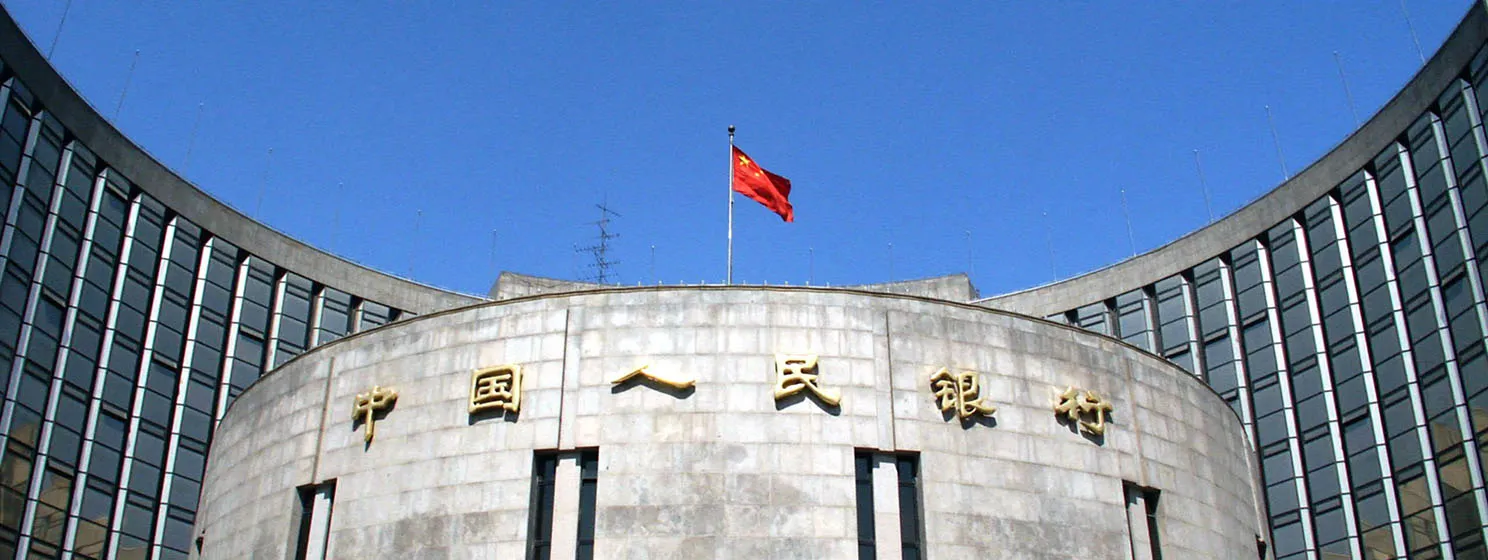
<point x="886" y="534"/>
<point x="566" y="507"/>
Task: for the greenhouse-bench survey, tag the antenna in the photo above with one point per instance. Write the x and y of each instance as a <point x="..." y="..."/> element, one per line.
<point x="58" y="33"/>
<point x="1203" y="185"/>
<point x="653" y="264"/>
<point x="191" y="143"/>
<point x="1127" y="213"/>
<point x="413" y="246"/>
<point x="1049" y="237"/>
<point x="1412" y="28"/>
<point x="1277" y="140"/>
<point x="600" y="269"/>
<point x="1349" y="94"/>
<point x="264" y="186"/>
<point x="128" y="78"/>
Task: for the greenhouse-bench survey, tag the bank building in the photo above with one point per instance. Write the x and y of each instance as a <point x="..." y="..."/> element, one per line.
<point x="1305" y="378"/>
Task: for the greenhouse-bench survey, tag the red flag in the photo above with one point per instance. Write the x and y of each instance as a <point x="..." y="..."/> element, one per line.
<point x="764" y="187"/>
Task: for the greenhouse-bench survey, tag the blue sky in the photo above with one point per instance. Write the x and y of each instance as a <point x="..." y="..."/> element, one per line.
<point x="900" y="124"/>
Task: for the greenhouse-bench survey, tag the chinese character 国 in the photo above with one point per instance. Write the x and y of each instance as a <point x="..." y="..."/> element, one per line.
<point x="497" y="387"/>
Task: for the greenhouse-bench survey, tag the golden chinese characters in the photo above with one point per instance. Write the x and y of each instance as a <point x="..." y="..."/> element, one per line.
<point x="796" y="373"/>
<point x="1077" y="405"/>
<point x="497" y="387"/>
<point x="960" y="392"/>
<point x="368" y="404"/>
<point x="642" y="372"/>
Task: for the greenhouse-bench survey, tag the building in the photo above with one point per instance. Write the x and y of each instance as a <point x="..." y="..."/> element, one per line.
<point x="1342" y="317"/>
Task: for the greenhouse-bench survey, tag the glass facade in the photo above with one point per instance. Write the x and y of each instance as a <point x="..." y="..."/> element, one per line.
<point x="125" y="332"/>
<point x="1350" y="339"/>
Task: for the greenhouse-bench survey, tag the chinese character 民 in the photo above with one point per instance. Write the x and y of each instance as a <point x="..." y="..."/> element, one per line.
<point x="497" y="387"/>
<point x="1077" y="405"/>
<point x="960" y="392"/>
<point x="662" y="379"/>
<point x="796" y="373"/>
<point x="366" y="406"/>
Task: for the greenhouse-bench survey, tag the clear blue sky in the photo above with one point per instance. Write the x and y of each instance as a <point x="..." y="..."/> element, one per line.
<point x="899" y="124"/>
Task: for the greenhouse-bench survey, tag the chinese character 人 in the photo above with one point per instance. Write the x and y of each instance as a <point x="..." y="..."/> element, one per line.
<point x="368" y="404"/>
<point x="960" y="392"/>
<point x="1077" y="405"/>
<point x="643" y="372"/>
<point x="497" y="387"/>
<point x="796" y="373"/>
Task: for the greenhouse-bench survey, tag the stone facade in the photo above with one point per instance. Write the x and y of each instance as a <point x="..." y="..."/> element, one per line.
<point x="723" y="470"/>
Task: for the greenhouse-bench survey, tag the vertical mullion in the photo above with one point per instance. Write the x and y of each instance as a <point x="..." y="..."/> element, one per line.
<point x="142" y="373"/>
<point x="183" y="381"/>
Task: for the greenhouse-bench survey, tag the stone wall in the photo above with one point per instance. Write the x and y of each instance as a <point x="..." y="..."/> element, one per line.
<point x="723" y="470"/>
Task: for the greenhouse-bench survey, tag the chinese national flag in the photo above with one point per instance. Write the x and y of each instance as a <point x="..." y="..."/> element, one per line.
<point x="764" y="187"/>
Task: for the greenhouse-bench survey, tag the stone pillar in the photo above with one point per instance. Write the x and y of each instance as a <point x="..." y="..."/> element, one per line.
<point x="886" y="535"/>
<point x="1136" y="523"/>
<point x="566" y="507"/>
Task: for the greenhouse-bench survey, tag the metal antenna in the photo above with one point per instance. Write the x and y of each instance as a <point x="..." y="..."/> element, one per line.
<point x="1203" y="185"/>
<point x="1346" y="92"/>
<point x="127" y="79"/>
<point x="1049" y="237"/>
<point x="600" y="250"/>
<point x="811" y="265"/>
<point x="970" y="262"/>
<point x="191" y="143"/>
<point x="653" y="264"/>
<point x="418" y="218"/>
<point x="263" y="186"/>
<point x="1277" y="140"/>
<point x="58" y="33"/>
<point x="1127" y="213"/>
<point x="1412" y="27"/>
<point x="891" y="262"/>
<point x="336" y="216"/>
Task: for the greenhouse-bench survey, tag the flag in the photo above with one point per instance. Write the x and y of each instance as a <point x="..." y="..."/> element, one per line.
<point x="764" y="187"/>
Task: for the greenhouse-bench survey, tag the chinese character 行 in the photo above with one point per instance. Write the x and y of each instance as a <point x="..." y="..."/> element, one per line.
<point x="366" y="406"/>
<point x="1077" y="405"/>
<point x="960" y="392"/>
<point x="497" y="387"/>
<point x="796" y="373"/>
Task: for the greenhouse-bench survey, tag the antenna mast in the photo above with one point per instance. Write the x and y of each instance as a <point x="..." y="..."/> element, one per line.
<point x="600" y="271"/>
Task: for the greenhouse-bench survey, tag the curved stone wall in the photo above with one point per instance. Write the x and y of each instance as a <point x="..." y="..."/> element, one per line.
<point x="722" y="469"/>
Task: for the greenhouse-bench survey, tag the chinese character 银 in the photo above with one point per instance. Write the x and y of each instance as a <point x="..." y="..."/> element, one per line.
<point x="960" y="392"/>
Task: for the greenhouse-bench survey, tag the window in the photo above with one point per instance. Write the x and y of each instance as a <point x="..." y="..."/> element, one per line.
<point x="314" y="520"/>
<point x="863" y="469"/>
<point x="540" y="512"/>
<point x="588" y="492"/>
<point x="1141" y="519"/>
<point x="909" y="506"/>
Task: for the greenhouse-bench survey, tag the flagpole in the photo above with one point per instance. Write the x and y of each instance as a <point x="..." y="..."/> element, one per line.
<point x="730" y="278"/>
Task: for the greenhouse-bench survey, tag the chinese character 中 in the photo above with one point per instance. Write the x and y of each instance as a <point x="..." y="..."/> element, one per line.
<point x="796" y="373"/>
<point x="960" y="392"/>
<point x="366" y="406"/>
<point x="497" y="387"/>
<point x="1077" y="405"/>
